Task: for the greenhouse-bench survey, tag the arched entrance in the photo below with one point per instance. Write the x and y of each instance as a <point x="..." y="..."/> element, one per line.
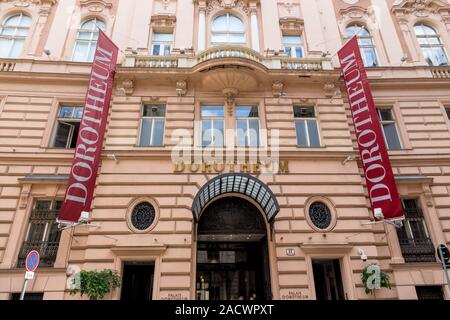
<point x="233" y="212"/>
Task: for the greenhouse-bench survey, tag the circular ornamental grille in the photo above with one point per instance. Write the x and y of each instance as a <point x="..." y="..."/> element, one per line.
<point x="143" y="216"/>
<point x="320" y="215"/>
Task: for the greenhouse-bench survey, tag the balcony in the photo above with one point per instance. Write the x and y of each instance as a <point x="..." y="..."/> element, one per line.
<point x="275" y="62"/>
<point x="417" y="250"/>
<point x="47" y="250"/>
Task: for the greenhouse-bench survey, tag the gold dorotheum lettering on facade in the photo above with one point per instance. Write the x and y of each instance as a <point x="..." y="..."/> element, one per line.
<point x="245" y="167"/>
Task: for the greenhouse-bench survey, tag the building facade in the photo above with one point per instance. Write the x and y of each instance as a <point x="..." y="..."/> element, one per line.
<point x="246" y="77"/>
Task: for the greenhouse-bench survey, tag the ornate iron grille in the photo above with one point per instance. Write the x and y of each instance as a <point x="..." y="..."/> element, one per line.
<point x="43" y="234"/>
<point x="415" y="244"/>
<point x="143" y="216"/>
<point x="320" y="215"/>
<point x="236" y="183"/>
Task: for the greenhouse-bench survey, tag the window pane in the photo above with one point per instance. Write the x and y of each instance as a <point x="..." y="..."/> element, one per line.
<point x="163" y="37"/>
<point x="299" y="52"/>
<point x="300" y="126"/>
<point x="156" y="49"/>
<point x="8" y="31"/>
<point x="167" y="50"/>
<point x="313" y="133"/>
<point x="43" y="205"/>
<point x="241" y="132"/>
<point x="212" y="111"/>
<point x="254" y="133"/>
<point x="370" y="58"/>
<point x="16" y="49"/>
<point x="237" y="38"/>
<point x="288" y="51"/>
<point x="158" y="132"/>
<point x="36" y="231"/>
<point x="92" y="51"/>
<point x="448" y="112"/>
<point x="206" y="132"/>
<point x="146" y="129"/>
<point x="247" y="111"/>
<point x="81" y="51"/>
<point x="218" y="133"/>
<point x="292" y="40"/>
<point x="219" y="38"/>
<point x="62" y="135"/>
<point x="5" y="46"/>
<point x="304" y="112"/>
<point x="236" y="24"/>
<point x="154" y="111"/>
<point x="391" y="136"/>
<point x="385" y="114"/>
<point x="220" y="23"/>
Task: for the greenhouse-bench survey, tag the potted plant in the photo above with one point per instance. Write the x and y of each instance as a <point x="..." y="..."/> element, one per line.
<point x="97" y="284"/>
<point x="368" y="277"/>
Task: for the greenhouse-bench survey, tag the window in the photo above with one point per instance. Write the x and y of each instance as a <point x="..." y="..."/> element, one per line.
<point x="152" y="126"/>
<point x="42" y="233"/>
<point x="429" y="293"/>
<point x="212" y="126"/>
<point x="306" y="127"/>
<point x="413" y="236"/>
<point x="86" y="42"/>
<point x="227" y="29"/>
<point x="431" y="45"/>
<point x="13" y="33"/>
<point x="28" y="296"/>
<point x="161" y="43"/>
<point x="366" y="44"/>
<point x="389" y="129"/>
<point x="293" y="46"/>
<point x="247" y="126"/>
<point x="447" y="110"/>
<point x="67" y="127"/>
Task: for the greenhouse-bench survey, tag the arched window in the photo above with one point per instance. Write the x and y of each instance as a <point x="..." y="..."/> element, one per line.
<point x="366" y="44"/>
<point x="13" y="32"/>
<point x="431" y="45"/>
<point x="227" y="29"/>
<point x="86" y="41"/>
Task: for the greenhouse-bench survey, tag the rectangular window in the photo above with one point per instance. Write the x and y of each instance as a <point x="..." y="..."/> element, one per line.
<point x="447" y="110"/>
<point x="306" y="127"/>
<point x="152" y="126"/>
<point x="247" y="126"/>
<point x="293" y="46"/>
<point x="429" y="293"/>
<point x="212" y="126"/>
<point x="391" y="137"/>
<point x="42" y="233"/>
<point x="413" y="236"/>
<point x="67" y="127"/>
<point x="28" y="296"/>
<point x="161" y="44"/>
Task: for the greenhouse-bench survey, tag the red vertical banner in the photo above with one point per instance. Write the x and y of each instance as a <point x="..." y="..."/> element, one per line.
<point x="89" y="146"/>
<point x="378" y="173"/>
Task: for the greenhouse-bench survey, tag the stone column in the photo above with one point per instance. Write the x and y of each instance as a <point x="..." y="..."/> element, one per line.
<point x="254" y="27"/>
<point x="201" y="44"/>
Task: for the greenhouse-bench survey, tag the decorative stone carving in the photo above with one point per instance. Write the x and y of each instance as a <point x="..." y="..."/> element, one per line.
<point x="330" y="89"/>
<point x="163" y="23"/>
<point x="291" y="26"/>
<point x="421" y="8"/>
<point x="230" y="94"/>
<point x="166" y="7"/>
<point x="181" y="88"/>
<point x="95" y="5"/>
<point x="24" y="196"/>
<point x="215" y="5"/>
<point x="277" y="88"/>
<point x="288" y="9"/>
<point x="127" y="87"/>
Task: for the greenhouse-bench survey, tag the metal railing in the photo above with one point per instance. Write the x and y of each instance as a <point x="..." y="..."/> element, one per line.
<point x="418" y="250"/>
<point x="47" y="250"/>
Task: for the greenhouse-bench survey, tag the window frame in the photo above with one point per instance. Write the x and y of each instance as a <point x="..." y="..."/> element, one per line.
<point x="306" y="119"/>
<point x="387" y="122"/>
<point x="153" y="118"/>
<point x="294" y="47"/>
<point x="162" y="45"/>
<point x="237" y="118"/>
<point x="227" y="32"/>
<point x="16" y="37"/>
<point x="91" y="42"/>
<point x="370" y="37"/>
<point x="424" y="47"/>
<point x="66" y="121"/>
<point x="212" y="119"/>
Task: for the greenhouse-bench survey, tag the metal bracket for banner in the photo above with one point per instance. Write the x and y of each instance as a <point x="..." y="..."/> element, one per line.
<point x="84" y="221"/>
<point x="398" y="223"/>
